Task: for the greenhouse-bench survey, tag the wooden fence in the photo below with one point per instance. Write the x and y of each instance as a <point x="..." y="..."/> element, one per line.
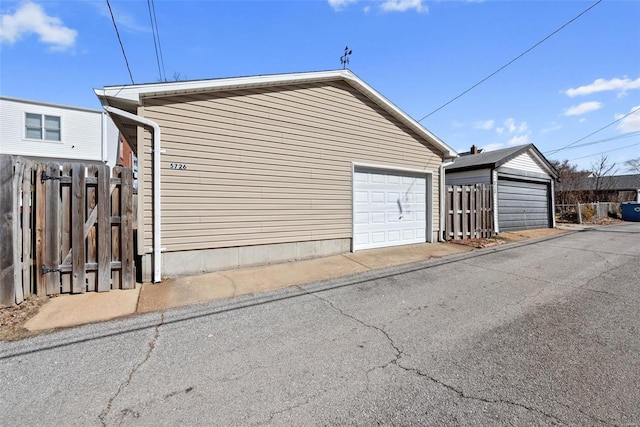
<point x="469" y="212"/>
<point x="65" y="228"/>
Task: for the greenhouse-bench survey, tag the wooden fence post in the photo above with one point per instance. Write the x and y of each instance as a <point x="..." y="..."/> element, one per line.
<point x="7" y="296"/>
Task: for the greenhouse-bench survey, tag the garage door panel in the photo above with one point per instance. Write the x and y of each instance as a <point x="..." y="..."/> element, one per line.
<point x="389" y="209"/>
<point x="522" y="205"/>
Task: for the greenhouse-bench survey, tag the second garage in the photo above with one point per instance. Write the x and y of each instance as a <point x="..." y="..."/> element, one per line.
<point x="522" y="180"/>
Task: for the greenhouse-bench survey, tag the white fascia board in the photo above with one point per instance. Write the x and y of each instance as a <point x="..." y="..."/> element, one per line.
<point x="543" y="164"/>
<point x="137" y="92"/>
<point x="449" y="153"/>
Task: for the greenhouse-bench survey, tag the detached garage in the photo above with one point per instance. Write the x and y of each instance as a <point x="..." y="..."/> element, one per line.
<point x="254" y="170"/>
<point x="522" y="180"/>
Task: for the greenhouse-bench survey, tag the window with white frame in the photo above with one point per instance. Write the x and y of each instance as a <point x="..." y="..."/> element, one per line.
<point x="42" y="126"/>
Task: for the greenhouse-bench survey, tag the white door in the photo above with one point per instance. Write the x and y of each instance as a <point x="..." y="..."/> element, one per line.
<point x="389" y="209"/>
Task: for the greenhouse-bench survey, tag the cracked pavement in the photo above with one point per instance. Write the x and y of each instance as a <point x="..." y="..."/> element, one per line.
<point x="542" y="333"/>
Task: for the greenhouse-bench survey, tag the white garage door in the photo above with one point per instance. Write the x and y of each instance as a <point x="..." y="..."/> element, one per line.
<point x="389" y="209"/>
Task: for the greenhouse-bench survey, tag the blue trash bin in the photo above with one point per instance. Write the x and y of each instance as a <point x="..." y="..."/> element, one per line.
<point x="631" y="211"/>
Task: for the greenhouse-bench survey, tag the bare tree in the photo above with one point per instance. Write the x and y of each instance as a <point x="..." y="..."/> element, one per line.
<point x="601" y="168"/>
<point x="570" y="181"/>
<point x="633" y="165"/>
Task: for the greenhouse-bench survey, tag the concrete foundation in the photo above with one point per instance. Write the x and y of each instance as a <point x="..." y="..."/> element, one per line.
<point x="188" y="263"/>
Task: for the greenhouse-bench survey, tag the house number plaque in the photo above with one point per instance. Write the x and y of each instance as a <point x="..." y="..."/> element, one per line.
<point x="177" y="166"/>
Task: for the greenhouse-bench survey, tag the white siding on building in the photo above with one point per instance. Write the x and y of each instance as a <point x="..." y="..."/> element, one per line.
<point x="525" y="162"/>
<point x="81" y="132"/>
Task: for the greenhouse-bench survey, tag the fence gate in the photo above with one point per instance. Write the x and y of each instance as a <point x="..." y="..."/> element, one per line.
<point x="70" y="228"/>
<point x="469" y="212"/>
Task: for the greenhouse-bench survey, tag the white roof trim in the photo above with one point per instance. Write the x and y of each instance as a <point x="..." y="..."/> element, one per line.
<point x="136" y="93"/>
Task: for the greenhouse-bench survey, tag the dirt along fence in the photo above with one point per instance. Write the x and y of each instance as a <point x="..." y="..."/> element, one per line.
<point x="469" y="212"/>
<point x="66" y="228"/>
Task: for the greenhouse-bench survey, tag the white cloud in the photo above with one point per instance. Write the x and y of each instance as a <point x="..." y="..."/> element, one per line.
<point x="340" y="4"/>
<point x="554" y="127"/>
<point x="519" y="140"/>
<point x="585" y="107"/>
<point x="631" y="123"/>
<point x="512" y="126"/>
<point x="124" y="20"/>
<point x="601" y="85"/>
<point x="484" y="125"/>
<point x="30" y="18"/>
<point x="403" y="6"/>
<point x="582" y="120"/>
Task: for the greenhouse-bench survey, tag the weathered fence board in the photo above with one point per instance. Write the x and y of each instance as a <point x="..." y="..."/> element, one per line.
<point x="469" y="212"/>
<point x="7" y="296"/>
<point x="40" y="203"/>
<point x="126" y="228"/>
<point x="27" y="203"/>
<point x="65" y="229"/>
<point x="52" y="234"/>
<point x="65" y="212"/>
<point x="104" y="231"/>
<point x="78" y="280"/>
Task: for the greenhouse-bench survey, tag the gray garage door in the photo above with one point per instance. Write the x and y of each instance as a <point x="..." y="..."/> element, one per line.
<point x="522" y="205"/>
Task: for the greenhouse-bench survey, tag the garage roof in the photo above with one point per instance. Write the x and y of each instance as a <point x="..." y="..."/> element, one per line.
<point x="129" y="97"/>
<point x="495" y="159"/>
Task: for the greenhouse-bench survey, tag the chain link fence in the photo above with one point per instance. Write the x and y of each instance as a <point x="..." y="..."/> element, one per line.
<point x="582" y="213"/>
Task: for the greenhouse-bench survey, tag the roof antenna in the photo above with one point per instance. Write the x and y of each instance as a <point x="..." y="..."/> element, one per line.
<point x="344" y="59"/>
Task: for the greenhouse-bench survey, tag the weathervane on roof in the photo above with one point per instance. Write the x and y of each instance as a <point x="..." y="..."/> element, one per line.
<point x="344" y="59"/>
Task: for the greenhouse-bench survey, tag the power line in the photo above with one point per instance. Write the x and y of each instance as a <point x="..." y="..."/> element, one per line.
<point x="605" y="152"/>
<point x="613" y="138"/>
<point x="156" y="39"/>
<point x="511" y="62"/>
<point x="592" y="133"/>
<point x="153" y="6"/>
<point x="120" y="41"/>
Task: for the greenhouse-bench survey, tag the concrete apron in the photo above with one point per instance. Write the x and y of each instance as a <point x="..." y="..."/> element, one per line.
<point x="73" y="310"/>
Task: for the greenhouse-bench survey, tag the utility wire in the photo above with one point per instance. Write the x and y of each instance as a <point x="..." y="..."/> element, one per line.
<point x="592" y="133"/>
<point x="153" y="6"/>
<point x="511" y="62"/>
<point x="120" y="40"/>
<point x="156" y="40"/>
<point x="604" y="152"/>
<point x="613" y="138"/>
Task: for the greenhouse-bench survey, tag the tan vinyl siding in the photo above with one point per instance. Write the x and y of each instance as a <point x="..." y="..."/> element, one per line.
<point x="269" y="165"/>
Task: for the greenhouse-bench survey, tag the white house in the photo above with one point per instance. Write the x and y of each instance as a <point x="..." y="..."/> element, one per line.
<point x="42" y="130"/>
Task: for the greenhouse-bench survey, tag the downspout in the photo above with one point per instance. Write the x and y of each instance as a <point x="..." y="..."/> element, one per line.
<point x="155" y="149"/>
<point x="441" y="234"/>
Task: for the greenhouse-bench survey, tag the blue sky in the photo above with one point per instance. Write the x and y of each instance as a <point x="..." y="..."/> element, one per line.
<point x="419" y="54"/>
